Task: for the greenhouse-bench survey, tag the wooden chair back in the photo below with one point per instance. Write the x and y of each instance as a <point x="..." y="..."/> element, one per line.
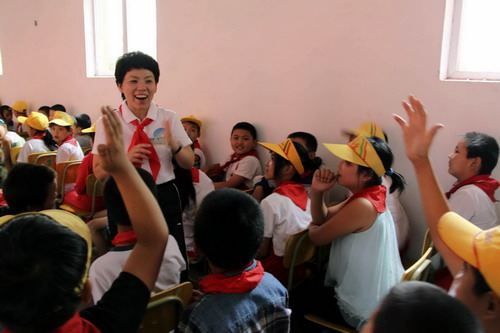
<point x="14" y="153"/>
<point x="47" y="158"/>
<point x="86" y="150"/>
<point x="298" y="250"/>
<point x="418" y="271"/>
<point x="94" y="189"/>
<point x="67" y="173"/>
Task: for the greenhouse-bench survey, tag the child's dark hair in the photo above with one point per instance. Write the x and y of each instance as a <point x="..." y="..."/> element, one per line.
<point x="48" y="139"/>
<point x="485" y="147"/>
<point x="44" y="109"/>
<point x="184" y="182"/>
<point x="41" y="264"/>
<point x="83" y="120"/>
<point x="58" y="107"/>
<point x="27" y="185"/>
<point x="311" y="144"/>
<point x="135" y="60"/>
<point x="229" y="228"/>
<point x="4" y="108"/>
<point x="117" y="212"/>
<point x="246" y="126"/>
<point x="308" y="163"/>
<point x="385" y="155"/>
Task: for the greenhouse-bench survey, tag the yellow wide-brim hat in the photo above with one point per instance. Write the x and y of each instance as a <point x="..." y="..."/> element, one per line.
<point x="192" y="119"/>
<point x="287" y="150"/>
<point x="70" y="221"/>
<point x="36" y="120"/>
<point x="61" y="118"/>
<point x="92" y="128"/>
<point x="359" y="151"/>
<point x="480" y="248"/>
<point x="368" y="129"/>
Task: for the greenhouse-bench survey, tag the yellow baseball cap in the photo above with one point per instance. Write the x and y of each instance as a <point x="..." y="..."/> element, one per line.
<point x="368" y="129"/>
<point x="20" y="106"/>
<point x="92" y="128"/>
<point x="62" y="119"/>
<point x="70" y="221"/>
<point x="480" y="248"/>
<point x="359" y="151"/>
<point x="287" y="150"/>
<point x="36" y="120"/>
<point x="192" y="119"/>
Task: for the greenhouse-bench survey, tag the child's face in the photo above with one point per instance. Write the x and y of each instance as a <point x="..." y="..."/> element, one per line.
<point x="51" y="114"/>
<point x="7" y="115"/>
<point x="242" y="141"/>
<point x="459" y="164"/>
<point x="347" y="174"/>
<point x="270" y="165"/>
<point x="60" y="133"/>
<point x="191" y="130"/>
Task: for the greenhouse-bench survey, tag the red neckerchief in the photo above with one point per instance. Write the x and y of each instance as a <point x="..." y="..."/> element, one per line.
<point x="69" y="139"/>
<point x="484" y="182"/>
<point x="295" y="191"/>
<point x="374" y="194"/>
<point x="39" y="136"/>
<point x="126" y="237"/>
<point x="234" y="158"/>
<point x="75" y="324"/>
<point x="196" y="144"/>
<point x="195" y="175"/>
<point x="236" y="283"/>
<point x="141" y="137"/>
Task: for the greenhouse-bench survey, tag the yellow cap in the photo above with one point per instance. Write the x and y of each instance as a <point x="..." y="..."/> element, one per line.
<point x="192" y="119"/>
<point x="92" y="128"/>
<point x="359" y="151"/>
<point x="480" y="248"/>
<point x="368" y="129"/>
<point x="287" y="150"/>
<point x="62" y="119"/>
<point x="20" y="106"/>
<point x="36" y="120"/>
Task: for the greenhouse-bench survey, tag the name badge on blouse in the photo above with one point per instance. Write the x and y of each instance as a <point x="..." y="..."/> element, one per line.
<point x="158" y="138"/>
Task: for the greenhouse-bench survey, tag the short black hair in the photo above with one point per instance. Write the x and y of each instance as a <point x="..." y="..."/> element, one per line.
<point x="83" y="120"/>
<point x="116" y="210"/>
<point x="229" y="228"/>
<point x="310" y="140"/>
<point x="27" y="185"/>
<point x="44" y="109"/>
<point x="5" y="108"/>
<point x="41" y="264"/>
<point x="135" y="60"/>
<point x="415" y="307"/>
<point x="246" y="126"/>
<point x="485" y="147"/>
<point x="58" y="107"/>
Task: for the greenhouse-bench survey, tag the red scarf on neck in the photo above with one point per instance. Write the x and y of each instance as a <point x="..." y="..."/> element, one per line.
<point x="75" y="324"/>
<point x="195" y="175"/>
<point x="69" y="139"/>
<point x="196" y="144"/>
<point x="126" y="237"/>
<point x="484" y="182"/>
<point x="140" y="136"/>
<point x="235" y="283"/>
<point x="234" y="158"/>
<point x="374" y="194"/>
<point x="295" y="191"/>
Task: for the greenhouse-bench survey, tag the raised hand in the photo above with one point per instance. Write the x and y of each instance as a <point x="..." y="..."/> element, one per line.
<point x="416" y="136"/>
<point x="323" y="179"/>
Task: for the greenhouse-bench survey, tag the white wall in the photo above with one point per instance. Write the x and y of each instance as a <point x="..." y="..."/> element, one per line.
<point x="284" y="65"/>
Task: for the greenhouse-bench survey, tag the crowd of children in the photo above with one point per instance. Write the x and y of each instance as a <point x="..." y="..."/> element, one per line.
<point x="175" y="208"/>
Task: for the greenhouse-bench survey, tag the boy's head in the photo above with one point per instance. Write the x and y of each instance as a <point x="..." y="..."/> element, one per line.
<point x="243" y="138"/>
<point x="192" y="126"/>
<point x="29" y="188"/>
<point x="307" y="140"/>
<point x="82" y="122"/>
<point x="44" y="260"/>
<point x="421" y="307"/>
<point x="117" y="213"/>
<point x="54" y="108"/>
<point x="229" y="228"/>
<point x="6" y="113"/>
<point x="20" y="108"/>
<point x="45" y="110"/>
<point x="61" y="126"/>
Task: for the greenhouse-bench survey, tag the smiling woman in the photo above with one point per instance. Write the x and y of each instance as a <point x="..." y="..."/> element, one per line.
<point x="152" y="134"/>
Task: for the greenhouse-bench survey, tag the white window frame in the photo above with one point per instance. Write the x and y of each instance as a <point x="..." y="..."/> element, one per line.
<point x="450" y="49"/>
<point x="94" y="54"/>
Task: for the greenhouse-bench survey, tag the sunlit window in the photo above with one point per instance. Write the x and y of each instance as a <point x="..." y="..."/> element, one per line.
<point x="113" y="27"/>
<point x="470" y="45"/>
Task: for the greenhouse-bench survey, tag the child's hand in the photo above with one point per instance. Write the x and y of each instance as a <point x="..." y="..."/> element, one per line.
<point x="112" y="154"/>
<point x="417" y="137"/>
<point x="139" y="153"/>
<point x="323" y="180"/>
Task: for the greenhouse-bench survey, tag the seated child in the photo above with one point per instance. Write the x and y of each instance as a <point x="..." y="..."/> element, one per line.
<point x="45" y="110"/>
<point x="243" y="164"/>
<point x="40" y="140"/>
<point x="43" y="277"/>
<point x="238" y="296"/>
<point x="9" y="140"/>
<point x="105" y="269"/>
<point x="20" y="109"/>
<point x="192" y="126"/>
<point x="82" y="122"/>
<point x="288" y="209"/>
<point x="415" y="307"/>
<point x="61" y="127"/>
<point x="473" y="194"/>
<point x="54" y="108"/>
<point x="6" y="114"/>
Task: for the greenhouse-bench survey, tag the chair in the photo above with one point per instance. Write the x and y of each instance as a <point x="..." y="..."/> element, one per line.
<point x="298" y="250"/>
<point x="14" y="153"/>
<point x="428" y="243"/>
<point x="328" y="324"/>
<point x="86" y="150"/>
<point x="420" y="269"/>
<point x="95" y="189"/>
<point x="165" y="308"/>
<point x="67" y="172"/>
<point x="47" y="158"/>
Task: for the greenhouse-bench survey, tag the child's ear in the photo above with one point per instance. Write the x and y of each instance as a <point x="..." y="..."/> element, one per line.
<point x="366" y="175"/>
<point x="476" y="163"/>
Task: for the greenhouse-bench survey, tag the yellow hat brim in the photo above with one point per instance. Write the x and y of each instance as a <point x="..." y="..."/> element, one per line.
<point x="293" y="155"/>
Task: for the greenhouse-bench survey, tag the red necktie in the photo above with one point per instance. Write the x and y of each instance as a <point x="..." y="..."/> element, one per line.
<point x="141" y="137"/>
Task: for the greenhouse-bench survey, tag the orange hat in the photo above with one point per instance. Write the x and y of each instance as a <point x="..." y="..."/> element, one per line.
<point x="192" y="119"/>
<point x="287" y="150"/>
<point x="359" y="151"/>
<point x="62" y="119"/>
<point x="368" y="129"/>
<point x="36" y="120"/>
<point x="480" y="248"/>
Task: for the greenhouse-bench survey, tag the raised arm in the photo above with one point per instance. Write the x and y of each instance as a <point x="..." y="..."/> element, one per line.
<point x="144" y="212"/>
<point x="418" y="139"/>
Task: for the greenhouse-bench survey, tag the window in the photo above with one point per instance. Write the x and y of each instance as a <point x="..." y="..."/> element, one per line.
<point x="114" y="27"/>
<point x="470" y="45"/>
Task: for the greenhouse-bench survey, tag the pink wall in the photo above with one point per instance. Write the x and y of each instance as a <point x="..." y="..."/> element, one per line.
<point x="284" y="65"/>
